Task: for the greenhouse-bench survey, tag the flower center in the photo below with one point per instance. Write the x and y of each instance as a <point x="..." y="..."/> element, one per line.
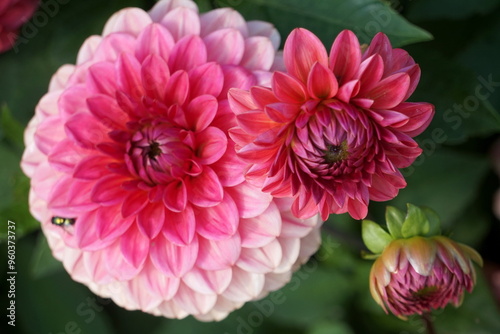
<point x="335" y="153"/>
<point x="154" y="150"/>
<point x="426" y="293"/>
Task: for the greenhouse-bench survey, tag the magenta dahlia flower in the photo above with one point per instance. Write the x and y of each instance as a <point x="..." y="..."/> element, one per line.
<point x="13" y="14"/>
<point x="139" y="189"/>
<point x="334" y="129"/>
<point x="418" y="275"/>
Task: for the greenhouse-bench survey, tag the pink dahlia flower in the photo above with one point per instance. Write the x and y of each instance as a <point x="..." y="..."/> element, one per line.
<point x="334" y="129"/>
<point x="134" y="179"/>
<point x="13" y="14"/>
<point x="418" y="275"/>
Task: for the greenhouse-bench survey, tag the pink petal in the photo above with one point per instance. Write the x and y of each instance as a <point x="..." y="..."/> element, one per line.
<point x="236" y="76"/>
<point x="259" y="231"/>
<point x="288" y="89"/>
<point x="154" y="40"/>
<point x="116" y="263"/>
<point x="189" y="52"/>
<point x="113" y="46"/>
<point x="92" y="167"/>
<point x="259" y="53"/>
<point x="134" y="202"/>
<point x="244" y="285"/>
<point x="150" y="219"/>
<point x="348" y="90"/>
<point x="206" y="79"/>
<point x="389" y="117"/>
<point x="302" y="49"/>
<point x="263" y="96"/>
<point x="225" y="46"/>
<point x="345" y="56"/>
<point x="419" y="114"/>
<point x="87" y="136"/>
<point x="207" y="281"/>
<point x="179" y="227"/>
<point x="158" y="283"/>
<point x="321" y="82"/>
<point x="229" y="167"/>
<point x="173" y="260"/>
<point x="255" y="122"/>
<point x="249" y="199"/>
<point x="175" y="196"/>
<point x="86" y="232"/>
<point x="220" y="19"/>
<point x="73" y="100"/>
<point x="177" y="89"/>
<point x="155" y="76"/>
<point x="134" y="246"/>
<point x="182" y="21"/>
<point x="389" y="92"/>
<point x="381" y="45"/>
<point x="106" y="110"/>
<point x="110" y="224"/>
<point x="218" y="222"/>
<point x="205" y="190"/>
<point x="370" y="72"/>
<point x="88" y="48"/>
<point x="240" y="101"/>
<point x="108" y="190"/>
<point x="357" y="209"/>
<point x="193" y="302"/>
<point x="162" y="8"/>
<point x="66" y="155"/>
<point x="101" y="78"/>
<point x="218" y="254"/>
<point x="129" y="20"/>
<point x="282" y="112"/>
<point x="129" y="76"/>
<point x="266" y="29"/>
<point x="211" y="145"/>
<point x="261" y="260"/>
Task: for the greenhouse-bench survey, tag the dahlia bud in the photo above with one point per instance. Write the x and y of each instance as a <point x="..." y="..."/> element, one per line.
<point x="416" y="269"/>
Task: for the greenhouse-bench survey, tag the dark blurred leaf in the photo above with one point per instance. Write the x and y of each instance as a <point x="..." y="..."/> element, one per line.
<point x="445" y="181"/>
<point x="327" y="18"/>
<point x="328" y="327"/>
<point x="448" y="9"/>
<point x="11" y="129"/>
<point x="204" y="5"/>
<point x="54" y="304"/>
<point x="462" y="108"/>
<point x="43" y="262"/>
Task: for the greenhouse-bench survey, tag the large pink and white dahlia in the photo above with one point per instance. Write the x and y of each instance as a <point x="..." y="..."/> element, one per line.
<point x="334" y="129"/>
<point x="134" y="179"/>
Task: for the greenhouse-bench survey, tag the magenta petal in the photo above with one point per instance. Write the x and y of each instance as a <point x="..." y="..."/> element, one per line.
<point x="211" y="145"/>
<point x="171" y="259"/>
<point x="218" y="222"/>
<point x="177" y="89"/>
<point x="282" y="112"/>
<point x="225" y="46"/>
<point x="188" y="53"/>
<point x="345" y="56"/>
<point x="107" y="111"/>
<point x="263" y="96"/>
<point x="102" y="78"/>
<point x="175" y="196"/>
<point x="370" y="72"/>
<point x="65" y="156"/>
<point x="218" y="254"/>
<point x="237" y="77"/>
<point x="155" y="75"/>
<point x="150" y="219"/>
<point x="179" y="227"/>
<point x="302" y="49"/>
<point x="348" y="90"/>
<point x="92" y="167"/>
<point x="108" y="190"/>
<point x="240" y="101"/>
<point x="134" y="246"/>
<point x="206" y="79"/>
<point x="288" y="89"/>
<point x="205" y="190"/>
<point x="154" y="40"/>
<point x="201" y="112"/>
<point x="110" y="224"/>
<point x="420" y="115"/>
<point x="255" y="122"/>
<point x="129" y="76"/>
<point x="381" y="45"/>
<point x="134" y="202"/>
<point x="389" y="92"/>
<point x="321" y="82"/>
<point x="357" y="209"/>
<point x="89" y="135"/>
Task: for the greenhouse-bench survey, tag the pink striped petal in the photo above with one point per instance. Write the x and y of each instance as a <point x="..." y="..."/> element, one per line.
<point x="206" y="79"/>
<point x="134" y="246"/>
<point x="155" y="76"/>
<point x="158" y="283"/>
<point x="193" y="302"/>
<point x="389" y="92"/>
<point x="261" y="230"/>
<point x="92" y="167"/>
<point x="240" y="101"/>
<point x="345" y="56"/>
<point x="302" y="49"/>
<point x="188" y="52"/>
<point x="171" y="259"/>
<point x="87" y="136"/>
<point x="282" y="112"/>
<point x="110" y="224"/>
<point x="250" y="201"/>
<point x="370" y="72"/>
<point x="211" y="145"/>
<point x="218" y="222"/>
<point x="218" y="254"/>
<point x="181" y="22"/>
<point x="129" y="76"/>
<point x="154" y="40"/>
<point x="321" y="82"/>
<point x="288" y="89"/>
<point x="66" y="155"/>
<point x="108" y="190"/>
<point x="208" y="281"/>
<point x="150" y="219"/>
<point x="205" y="190"/>
<point x="255" y="122"/>
<point x="179" y="227"/>
<point x="175" y="196"/>
<point x="225" y="46"/>
<point x="106" y="110"/>
<point x="177" y="89"/>
<point x="259" y="53"/>
<point x="261" y="260"/>
<point x="134" y="202"/>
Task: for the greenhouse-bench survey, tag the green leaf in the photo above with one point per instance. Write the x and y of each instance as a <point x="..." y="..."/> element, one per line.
<point x="416" y="222"/>
<point x="204" y="5"/>
<point x="327" y="18"/>
<point x="434" y="221"/>
<point x="330" y="327"/>
<point x="10" y="128"/>
<point x="43" y="262"/>
<point x="394" y="219"/>
<point x="448" y="9"/>
<point x="374" y="236"/>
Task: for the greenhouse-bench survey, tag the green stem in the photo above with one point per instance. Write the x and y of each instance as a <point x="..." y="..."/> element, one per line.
<point x="429" y="325"/>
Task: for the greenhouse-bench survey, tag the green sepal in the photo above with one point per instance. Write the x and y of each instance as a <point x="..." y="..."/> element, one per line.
<point x="394" y="219"/>
<point x="368" y="256"/>
<point x="416" y="222"/>
<point x="434" y="221"/>
<point x="374" y="236"/>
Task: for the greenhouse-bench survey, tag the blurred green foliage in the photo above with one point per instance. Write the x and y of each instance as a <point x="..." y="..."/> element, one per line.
<point x="460" y="75"/>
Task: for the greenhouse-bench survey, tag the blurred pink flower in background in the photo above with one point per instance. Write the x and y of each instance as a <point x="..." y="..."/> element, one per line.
<point x="334" y="129"/>
<point x="131" y="146"/>
<point x="13" y="14"/>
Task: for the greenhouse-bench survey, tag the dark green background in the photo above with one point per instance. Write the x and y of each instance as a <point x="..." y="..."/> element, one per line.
<point x="456" y="43"/>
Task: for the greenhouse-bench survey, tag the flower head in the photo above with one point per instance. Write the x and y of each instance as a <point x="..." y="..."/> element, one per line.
<point x="13" y="14"/>
<point x="417" y="271"/>
<point x="334" y="129"/>
<point x="134" y="179"/>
